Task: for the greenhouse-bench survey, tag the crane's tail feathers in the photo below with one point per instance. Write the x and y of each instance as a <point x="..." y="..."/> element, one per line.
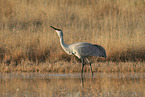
<point x="102" y="50"/>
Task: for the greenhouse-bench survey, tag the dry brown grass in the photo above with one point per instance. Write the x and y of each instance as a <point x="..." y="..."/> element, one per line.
<point x="70" y="67"/>
<point x="119" y="26"/>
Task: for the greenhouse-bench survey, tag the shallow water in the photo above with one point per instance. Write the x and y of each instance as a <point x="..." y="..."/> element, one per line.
<point x="72" y="85"/>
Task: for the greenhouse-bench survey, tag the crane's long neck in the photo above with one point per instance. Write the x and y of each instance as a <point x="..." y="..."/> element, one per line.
<point x="63" y="45"/>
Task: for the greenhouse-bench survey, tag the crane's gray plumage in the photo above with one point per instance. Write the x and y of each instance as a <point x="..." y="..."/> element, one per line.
<point x="81" y="50"/>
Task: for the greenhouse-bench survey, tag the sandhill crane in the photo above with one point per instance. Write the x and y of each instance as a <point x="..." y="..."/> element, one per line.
<point x="81" y="50"/>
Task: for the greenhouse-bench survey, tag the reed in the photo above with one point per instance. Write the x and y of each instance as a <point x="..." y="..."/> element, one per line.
<point x="25" y="33"/>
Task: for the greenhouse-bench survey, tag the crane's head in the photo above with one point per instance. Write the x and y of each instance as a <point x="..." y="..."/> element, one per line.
<point x="58" y="31"/>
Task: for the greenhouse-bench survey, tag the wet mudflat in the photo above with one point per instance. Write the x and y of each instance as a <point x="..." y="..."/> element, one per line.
<point x="72" y="85"/>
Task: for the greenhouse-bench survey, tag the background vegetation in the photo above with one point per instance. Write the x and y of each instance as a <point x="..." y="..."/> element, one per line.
<point x="25" y="33"/>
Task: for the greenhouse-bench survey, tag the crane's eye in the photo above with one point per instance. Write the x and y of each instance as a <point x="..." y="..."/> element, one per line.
<point x="58" y="29"/>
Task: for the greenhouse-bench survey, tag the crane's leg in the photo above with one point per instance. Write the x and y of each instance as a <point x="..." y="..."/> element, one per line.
<point x="90" y="65"/>
<point x="82" y="66"/>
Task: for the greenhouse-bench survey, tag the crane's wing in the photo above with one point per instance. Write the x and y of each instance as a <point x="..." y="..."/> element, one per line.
<point x="86" y="49"/>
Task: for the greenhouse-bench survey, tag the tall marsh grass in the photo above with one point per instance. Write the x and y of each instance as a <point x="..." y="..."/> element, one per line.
<point x="119" y="26"/>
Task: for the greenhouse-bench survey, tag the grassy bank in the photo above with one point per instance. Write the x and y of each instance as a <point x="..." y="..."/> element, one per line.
<point x="25" y="33"/>
<point x="70" y="67"/>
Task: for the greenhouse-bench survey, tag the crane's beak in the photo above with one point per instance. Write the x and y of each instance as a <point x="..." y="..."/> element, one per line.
<point x="55" y="28"/>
